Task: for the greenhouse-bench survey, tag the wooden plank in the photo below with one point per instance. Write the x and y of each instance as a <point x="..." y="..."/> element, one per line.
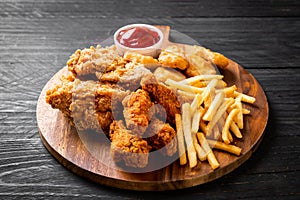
<point x="153" y="8"/>
<point x="45" y="177"/>
<point x="53" y="39"/>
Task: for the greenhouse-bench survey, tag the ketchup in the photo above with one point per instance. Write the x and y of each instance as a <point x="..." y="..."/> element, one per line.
<point x="138" y="37"/>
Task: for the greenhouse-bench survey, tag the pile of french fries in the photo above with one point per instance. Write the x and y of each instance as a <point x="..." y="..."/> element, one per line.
<point x="210" y="121"/>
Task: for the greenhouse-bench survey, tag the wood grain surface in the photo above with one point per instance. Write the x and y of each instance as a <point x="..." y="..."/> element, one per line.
<point x="36" y="38"/>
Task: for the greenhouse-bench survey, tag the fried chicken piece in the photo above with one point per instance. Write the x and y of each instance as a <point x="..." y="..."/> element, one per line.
<point x="163" y="73"/>
<point x="139" y="58"/>
<point x="173" y="56"/>
<point x="199" y="66"/>
<point x="218" y="59"/>
<point x="60" y="97"/>
<point x="114" y="71"/>
<point x="112" y="76"/>
<point x="131" y="79"/>
<point x="163" y="95"/>
<point x="162" y="135"/>
<point x="83" y="106"/>
<point x="126" y="147"/>
<point x="87" y="104"/>
<point x="92" y="60"/>
<point x="147" y="61"/>
<point x="137" y="111"/>
<point x="108" y="100"/>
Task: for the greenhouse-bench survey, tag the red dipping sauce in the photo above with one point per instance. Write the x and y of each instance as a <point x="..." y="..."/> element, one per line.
<point x="138" y="37"/>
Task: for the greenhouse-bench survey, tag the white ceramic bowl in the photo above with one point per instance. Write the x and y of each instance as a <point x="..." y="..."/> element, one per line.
<point x="153" y="50"/>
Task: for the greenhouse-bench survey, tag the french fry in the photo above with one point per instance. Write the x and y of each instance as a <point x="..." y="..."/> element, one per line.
<point x="200" y="152"/>
<point x="245" y="111"/>
<point x="187" y="94"/>
<point x="180" y="140"/>
<point x="221" y="110"/>
<point x="226" y="136"/>
<point x="199" y="84"/>
<point x="216" y="132"/>
<point x="200" y="98"/>
<point x="186" y="124"/>
<point x="198" y="78"/>
<point x="235" y="130"/>
<point x="210" y="155"/>
<point x="196" y="103"/>
<point x="183" y="87"/>
<point x="221" y="121"/>
<point x="239" y="117"/>
<point x="209" y="99"/>
<point x="225" y="147"/>
<point x="221" y="84"/>
<point x="229" y="91"/>
<point x="203" y="126"/>
<point x="212" y="84"/>
<point x="230" y="137"/>
<point x="203" y="142"/>
<point x="216" y="110"/>
<point x="245" y="98"/>
<point x="196" y="120"/>
<point x="214" y="106"/>
<point x="212" y="160"/>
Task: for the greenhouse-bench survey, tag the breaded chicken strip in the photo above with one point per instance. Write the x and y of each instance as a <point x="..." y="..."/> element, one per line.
<point x="92" y="60"/>
<point x="139" y="58"/>
<point x="164" y="73"/>
<point x="199" y="66"/>
<point x="173" y="56"/>
<point x="131" y="79"/>
<point x="108" y="104"/>
<point x="126" y="147"/>
<point x="218" y="59"/>
<point x="60" y="97"/>
<point x="115" y="71"/>
<point x="162" y="95"/>
<point x="83" y="106"/>
<point x="162" y="135"/>
<point x="87" y="103"/>
<point x="137" y="111"/>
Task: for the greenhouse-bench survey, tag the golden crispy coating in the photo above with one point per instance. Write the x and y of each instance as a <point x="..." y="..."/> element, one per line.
<point x="92" y="60"/>
<point x="87" y="104"/>
<point x="199" y="66"/>
<point x="114" y="71"/>
<point x="137" y="111"/>
<point x="139" y="58"/>
<point x="83" y="107"/>
<point x="163" y="95"/>
<point x="60" y="97"/>
<point x="108" y="100"/>
<point x="220" y="60"/>
<point x="112" y="76"/>
<point x="214" y="57"/>
<point x="126" y="147"/>
<point x="131" y="79"/>
<point x="164" y="73"/>
<point x="162" y="135"/>
<point x="173" y="56"/>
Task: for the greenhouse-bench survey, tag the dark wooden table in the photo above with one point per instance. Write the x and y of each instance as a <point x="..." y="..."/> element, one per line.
<point x="37" y="37"/>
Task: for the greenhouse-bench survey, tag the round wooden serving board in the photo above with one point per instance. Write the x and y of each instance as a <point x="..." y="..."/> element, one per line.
<point x="64" y="143"/>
